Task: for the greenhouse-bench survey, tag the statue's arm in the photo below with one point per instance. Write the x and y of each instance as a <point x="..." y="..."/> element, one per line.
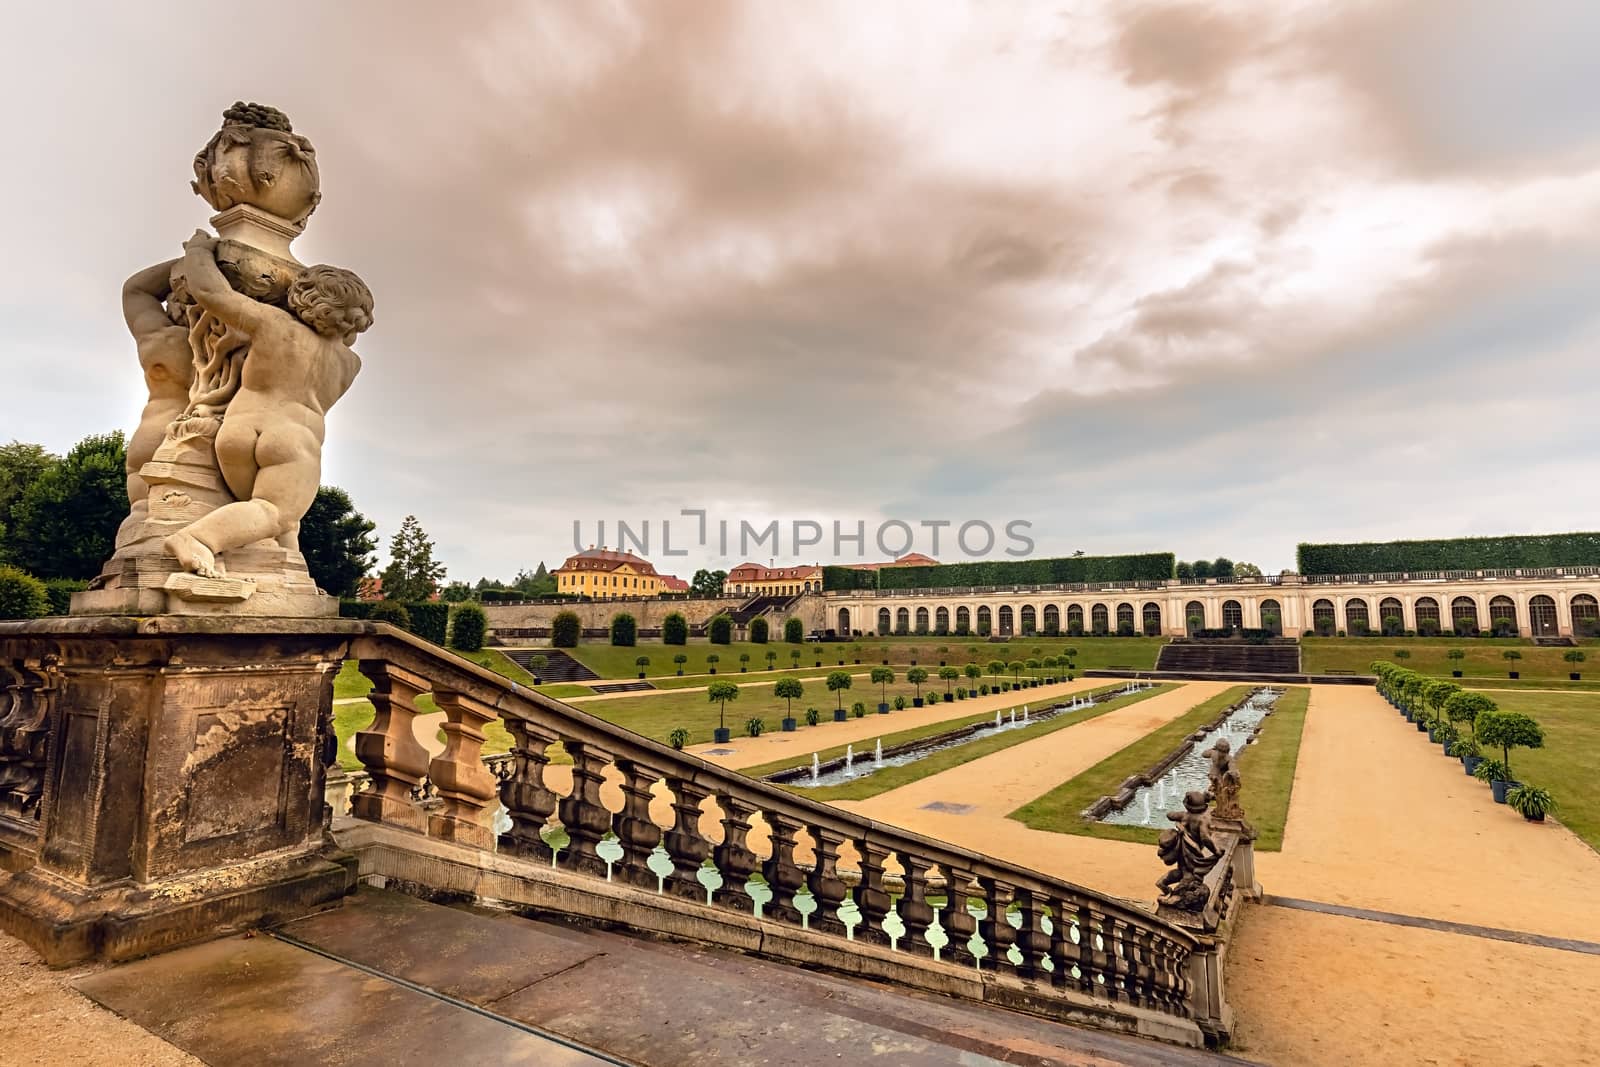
<point x="142" y="295"/>
<point x="212" y="291"/>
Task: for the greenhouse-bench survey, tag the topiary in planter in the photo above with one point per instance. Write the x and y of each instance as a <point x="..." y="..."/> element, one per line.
<point x="1530" y="802"/>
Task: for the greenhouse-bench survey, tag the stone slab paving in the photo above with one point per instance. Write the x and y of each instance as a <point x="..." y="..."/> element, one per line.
<point x="411" y="982"/>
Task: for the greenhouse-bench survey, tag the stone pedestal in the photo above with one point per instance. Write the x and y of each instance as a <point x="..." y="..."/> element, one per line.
<point x="183" y="790"/>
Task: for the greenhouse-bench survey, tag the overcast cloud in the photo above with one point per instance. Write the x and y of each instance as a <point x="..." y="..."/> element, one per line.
<point x="1207" y="277"/>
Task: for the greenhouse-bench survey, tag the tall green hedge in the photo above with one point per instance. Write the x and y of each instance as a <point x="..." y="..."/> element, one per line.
<point x="429" y="619"/>
<point x="468" y="627"/>
<point x="1149" y="567"/>
<point x="720" y="629"/>
<point x="674" y="629"/>
<point x="1454" y="554"/>
<point x="565" y="630"/>
<point x="624" y="630"/>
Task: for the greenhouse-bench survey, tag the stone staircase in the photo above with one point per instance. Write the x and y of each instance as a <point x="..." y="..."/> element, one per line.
<point x="558" y="667"/>
<point x="1229" y="657"/>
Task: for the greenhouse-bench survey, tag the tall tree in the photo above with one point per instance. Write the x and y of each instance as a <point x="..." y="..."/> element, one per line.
<point x="412" y="573"/>
<point x="707" y="583"/>
<point x="64" y="523"/>
<point x="20" y="465"/>
<point x="337" y="542"/>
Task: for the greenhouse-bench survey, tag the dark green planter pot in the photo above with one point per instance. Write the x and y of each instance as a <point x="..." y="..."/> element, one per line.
<point x="1500" y="789"/>
<point x="789" y="726"/>
<point x="841" y="715"/>
<point x="916" y="702"/>
<point x="1422" y="727"/>
<point x="721" y="736"/>
<point x="949" y="698"/>
<point x="1455" y="674"/>
<point x="1470" y="764"/>
<point x="883" y="709"/>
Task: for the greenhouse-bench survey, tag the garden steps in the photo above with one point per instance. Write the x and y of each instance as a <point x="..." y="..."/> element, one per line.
<point x="1228" y="657"/>
<point x="558" y="667"/>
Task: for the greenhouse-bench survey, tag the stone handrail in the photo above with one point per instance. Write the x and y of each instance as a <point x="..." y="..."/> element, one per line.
<point x="1067" y="942"/>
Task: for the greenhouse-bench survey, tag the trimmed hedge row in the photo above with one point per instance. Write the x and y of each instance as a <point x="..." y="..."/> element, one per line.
<point x="430" y="619"/>
<point x="1063" y="570"/>
<point x="1511" y="552"/>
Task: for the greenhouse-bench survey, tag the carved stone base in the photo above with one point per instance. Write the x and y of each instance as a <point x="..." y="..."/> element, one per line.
<point x="183" y="794"/>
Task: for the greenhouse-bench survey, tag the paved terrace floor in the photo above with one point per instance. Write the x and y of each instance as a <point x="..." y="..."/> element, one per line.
<point x="389" y="980"/>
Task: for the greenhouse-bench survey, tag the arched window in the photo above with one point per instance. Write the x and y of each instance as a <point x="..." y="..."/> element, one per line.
<point x="1356" y="620"/>
<point x="884" y="625"/>
<point x="902" y="620"/>
<point x="1464" y="615"/>
<point x="1100" y="619"/>
<point x="1542" y="615"/>
<point x="1052" y="619"/>
<point x="1232" y="615"/>
<point x="941" y="620"/>
<point x="1272" y="616"/>
<point x="1030" y="620"/>
<point x="922" y="620"/>
<point x="1007" y="621"/>
<point x="963" y="621"/>
<point x="844" y="622"/>
<point x="1392" y="617"/>
<point x="1125" y="619"/>
<point x="1194" y="617"/>
<point x="1503" y="616"/>
<point x="1152" y="619"/>
<point x="1075" y="619"/>
<point x="1322" y="617"/>
<point x="1585" y="615"/>
<point x="1427" y="610"/>
<point x="985" y="622"/>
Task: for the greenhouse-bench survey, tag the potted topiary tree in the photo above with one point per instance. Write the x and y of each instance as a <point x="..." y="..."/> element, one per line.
<point x="1455" y="656"/>
<point x="711" y="662"/>
<point x="794" y="659"/>
<point x="744" y="662"/>
<point x="772" y="657"/>
<point x="788" y="690"/>
<point x="1530" y="802"/>
<point x="641" y="662"/>
<point x="719" y="693"/>
<point x="948" y="675"/>
<point x="972" y="671"/>
<point x="680" y="659"/>
<point x="916" y="676"/>
<point x="1506" y="730"/>
<point x="1511" y="656"/>
<point x="1467" y="707"/>
<point x="881" y="677"/>
<point x="838" y="682"/>
<point x="1574" y="656"/>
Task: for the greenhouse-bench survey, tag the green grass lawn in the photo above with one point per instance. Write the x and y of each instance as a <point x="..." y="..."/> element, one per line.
<point x="1484" y="657"/>
<point x="895" y="777"/>
<point x="1093" y="653"/>
<point x="1267" y="769"/>
<point x="1061" y="809"/>
<point x="1567" y="764"/>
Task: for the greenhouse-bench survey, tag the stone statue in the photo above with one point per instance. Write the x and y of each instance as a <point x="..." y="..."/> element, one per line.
<point x="1191" y="853"/>
<point x="242" y="362"/>
<point x="1224" y="780"/>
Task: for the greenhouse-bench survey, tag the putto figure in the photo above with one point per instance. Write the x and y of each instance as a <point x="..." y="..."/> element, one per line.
<point x="1190" y="851"/>
<point x="269" y="447"/>
<point x="1224" y="780"/>
<point x="158" y="319"/>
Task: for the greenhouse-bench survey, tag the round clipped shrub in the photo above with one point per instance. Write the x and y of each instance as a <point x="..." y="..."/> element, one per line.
<point x="22" y="596"/>
<point x="674" y="629"/>
<point x="624" y="631"/>
<point x="392" y="612"/>
<point x="565" y="629"/>
<point x="468" y="626"/>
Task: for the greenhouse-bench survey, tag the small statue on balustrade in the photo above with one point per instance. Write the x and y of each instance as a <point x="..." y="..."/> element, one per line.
<point x="1191" y="853"/>
<point x="1225" y="782"/>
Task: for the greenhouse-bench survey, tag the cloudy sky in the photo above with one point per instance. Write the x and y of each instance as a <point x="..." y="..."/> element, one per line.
<point x="1211" y="278"/>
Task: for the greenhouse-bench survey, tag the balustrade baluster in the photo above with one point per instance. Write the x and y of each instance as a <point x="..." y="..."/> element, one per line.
<point x="1117" y="947"/>
<point x="872" y="900"/>
<point x="914" y="911"/>
<point x="529" y="802"/>
<point x="1063" y="953"/>
<point x="1032" y="941"/>
<point x="587" y="820"/>
<point x="1091" y="958"/>
<point x="688" y="846"/>
<point x="784" y="876"/>
<point x="824" y="882"/>
<point x="996" y="931"/>
<point x="638" y="832"/>
<point x="734" y="860"/>
<point x="465" y="785"/>
<point x="389" y="750"/>
<point x="958" y="921"/>
<point x="1142" y="979"/>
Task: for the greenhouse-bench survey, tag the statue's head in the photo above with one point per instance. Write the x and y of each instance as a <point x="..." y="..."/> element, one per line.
<point x="1194" y="802"/>
<point x="1223" y="746"/>
<point x="332" y="301"/>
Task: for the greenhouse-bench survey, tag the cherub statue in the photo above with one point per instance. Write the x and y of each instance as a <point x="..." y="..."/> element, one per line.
<point x="1191" y="853"/>
<point x="1224" y="780"/>
<point x="158" y="319"/>
<point x="269" y="447"/>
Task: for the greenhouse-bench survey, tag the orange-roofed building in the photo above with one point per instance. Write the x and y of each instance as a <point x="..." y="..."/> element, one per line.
<point x="606" y="575"/>
<point x="671" y="583"/>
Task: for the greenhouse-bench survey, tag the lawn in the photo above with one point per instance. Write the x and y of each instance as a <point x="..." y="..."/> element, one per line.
<point x="1267" y="769"/>
<point x="895" y="777"/>
<point x="1061" y="809"/>
<point x="1484" y="657"/>
<point x="1567" y="763"/>
<point x="613" y="662"/>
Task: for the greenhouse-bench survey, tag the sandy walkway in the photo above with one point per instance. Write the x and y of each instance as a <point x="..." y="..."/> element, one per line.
<point x="1318" y="989"/>
<point x="43" y="1021"/>
<point x="776" y="745"/>
<point x="1381" y="819"/>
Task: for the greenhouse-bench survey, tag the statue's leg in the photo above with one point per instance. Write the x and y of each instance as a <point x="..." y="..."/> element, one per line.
<point x="236" y="444"/>
<point x="285" y="485"/>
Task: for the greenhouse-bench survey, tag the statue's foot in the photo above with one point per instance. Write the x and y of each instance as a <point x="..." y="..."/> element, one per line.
<point x="193" y="556"/>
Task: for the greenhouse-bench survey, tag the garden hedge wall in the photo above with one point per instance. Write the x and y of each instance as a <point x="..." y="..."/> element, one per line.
<point x="1453" y="554"/>
<point x="429" y="619"/>
<point x="1149" y="567"/>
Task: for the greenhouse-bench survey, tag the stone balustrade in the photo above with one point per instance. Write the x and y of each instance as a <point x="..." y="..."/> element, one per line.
<point x="700" y="836"/>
